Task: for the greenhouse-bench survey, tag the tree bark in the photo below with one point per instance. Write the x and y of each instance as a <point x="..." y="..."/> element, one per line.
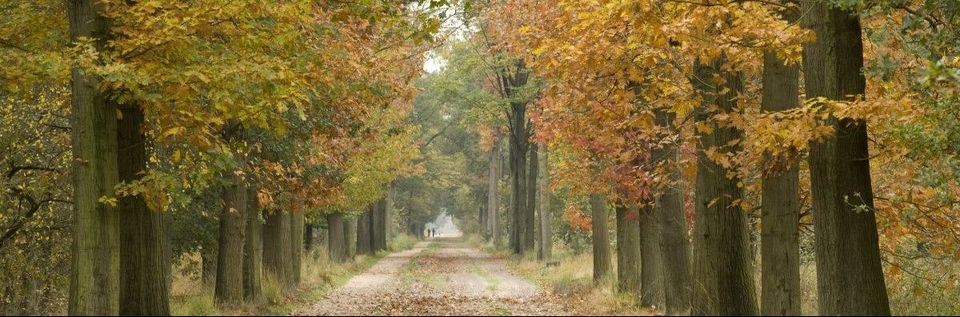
<point x="336" y="238"/>
<point x="253" y="250"/>
<point x="94" y="278"/>
<point x="144" y="261"/>
<point x="493" y="192"/>
<point x="521" y="226"/>
<point x="350" y="235"/>
<point x="388" y="215"/>
<point x="849" y="274"/>
<point x="546" y="237"/>
<point x="722" y="266"/>
<point x="601" y="241"/>
<point x="296" y="246"/>
<point x="530" y="216"/>
<point x="674" y="244"/>
<point x="780" y="199"/>
<point x="277" y="248"/>
<point x="651" y="265"/>
<point x="308" y="237"/>
<point x="378" y="225"/>
<point x="628" y="250"/>
<point x="364" y="243"/>
<point x="229" y="283"/>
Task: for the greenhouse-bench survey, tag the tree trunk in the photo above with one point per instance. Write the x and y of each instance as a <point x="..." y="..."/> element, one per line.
<point x="519" y="146"/>
<point x="388" y="215"/>
<point x="530" y="216"/>
<point x="849" y="274"/>
<point x="277" y="248"/>
<point x="674" y="246"/>
<point x="296" y="246"/>
<point x="378" y="225"/>
<point x="601" y="243"/>
<point x="95" y="278"/>
<point x="336" y="238"/>
<point x="350" y="235"/>
<point x="364" y="243"/>
<point x="229" y="284"/>
<point x="780" y="199"/>
<point x="253" y="250"/>
<point x="144" y="264"/>
<point x="493" y="193"/>
<point x="546" y="237"/>
<point x="308" y="237"/>
<point x="651" y="265"/>
<point x="722" y="266"/>
<point x="628" y="251"/>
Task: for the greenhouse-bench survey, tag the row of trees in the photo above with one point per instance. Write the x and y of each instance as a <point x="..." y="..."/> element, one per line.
<point x="740" y="120"/>
<point x="267" y="119"/>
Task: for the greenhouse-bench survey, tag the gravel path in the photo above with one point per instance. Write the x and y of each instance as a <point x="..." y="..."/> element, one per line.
<point x="444" y="276"/>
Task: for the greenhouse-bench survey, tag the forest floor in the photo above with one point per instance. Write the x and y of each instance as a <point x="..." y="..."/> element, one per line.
<point x="441" y="276"/>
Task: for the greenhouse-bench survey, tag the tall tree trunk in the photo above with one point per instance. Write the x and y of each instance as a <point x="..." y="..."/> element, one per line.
<point x="849" y="273"/>
<point x="95" y="278"/>
<point x="144" y="262"/>
<point x="493" y="193"/>
<point x="519" y="146"/>
<point x="308" y="237"/>
<point x="674" y="246"/>
<point x="780" y="198"/>
<point x="277" y="247"/>
<point x="628" y="250"/>
<point x="530" y="216"/>
<point x="379" y="226"/>
<point x="388" y="215"/>
<point x="601" y="241"/>
<point x="253" y="250"/>
<point x="336" y="238"/>
<point x="722" y="264"/>
<point x="296" y="246"/>
<point x="651" y="264"/>
<point x="546" y="237"/>
<point x="229" y="284"/>
<point x="350" y="234"/>
<point x="364" y="243"/>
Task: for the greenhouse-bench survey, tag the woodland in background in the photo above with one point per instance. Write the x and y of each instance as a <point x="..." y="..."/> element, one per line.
<point x="721" y="157"/>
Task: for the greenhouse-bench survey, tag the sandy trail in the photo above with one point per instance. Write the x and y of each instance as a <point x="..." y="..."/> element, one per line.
<point x="443" y="276"/>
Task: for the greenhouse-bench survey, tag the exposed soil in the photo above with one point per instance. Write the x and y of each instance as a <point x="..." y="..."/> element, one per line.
<point x="444" y="276"/>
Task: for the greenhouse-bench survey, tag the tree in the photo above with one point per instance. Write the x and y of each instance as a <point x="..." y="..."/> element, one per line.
<point x="674" y="244"/>
<point x="722" y="272"/>
<point x="651" y="266"/>
<point x="95" y="279"/>
<point x="233" y="220"/>
<point x="546" y="238"/>
<point x="849" y="275"/>
<point x="144" y="244"/>
<point x="278" y="248"/>
<point x="337" y="244"/>
<point x="628" y="251"/>
<point x="253" y="249"/>
<point x="601" y="243"/>
<point x="780" y="196"/>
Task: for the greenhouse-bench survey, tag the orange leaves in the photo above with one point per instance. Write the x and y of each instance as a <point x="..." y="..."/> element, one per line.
<point x="575" y="216"/>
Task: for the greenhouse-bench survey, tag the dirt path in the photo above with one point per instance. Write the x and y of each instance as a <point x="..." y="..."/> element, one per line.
<point x="444" y="276"/>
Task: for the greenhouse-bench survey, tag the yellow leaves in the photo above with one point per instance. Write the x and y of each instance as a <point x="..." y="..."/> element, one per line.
<point x="109" y="201"/>
<point x="705" y="128"/>
<point x="174" y="131"/>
